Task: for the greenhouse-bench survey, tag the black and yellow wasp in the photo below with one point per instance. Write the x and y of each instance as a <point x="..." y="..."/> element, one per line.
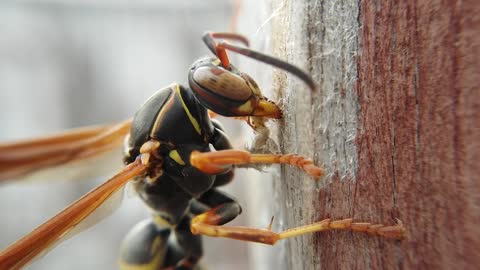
<point x="176" y="155"/>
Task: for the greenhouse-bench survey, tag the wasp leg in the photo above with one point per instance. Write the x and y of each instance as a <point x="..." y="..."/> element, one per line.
<point x="214" y="198"/>
<point x="207" y="224"/>
<point x="212" y="114"/>
<point x="223" y="179"/>
<point x="190" y="244"/>
<point x="210" y="199"/>
<point x="215" y="162"/>
<point x="220" y="141"/>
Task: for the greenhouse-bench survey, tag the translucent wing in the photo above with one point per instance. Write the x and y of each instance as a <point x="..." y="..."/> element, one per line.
<point x="69" y="220"/>
<point x="20" y="159"/>
<point x="100" y="165"/>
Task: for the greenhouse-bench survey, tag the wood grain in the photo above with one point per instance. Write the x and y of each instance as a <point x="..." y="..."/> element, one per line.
<point x="396" y="124"/>
<point x="415" y="77"/>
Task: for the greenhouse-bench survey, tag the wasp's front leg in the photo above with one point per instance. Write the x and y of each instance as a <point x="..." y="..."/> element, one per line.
<point x="220" y="141"/>
<point x="216" y="162"/>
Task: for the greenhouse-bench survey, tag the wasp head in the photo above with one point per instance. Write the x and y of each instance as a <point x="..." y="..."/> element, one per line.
<point x="229" y="92"/>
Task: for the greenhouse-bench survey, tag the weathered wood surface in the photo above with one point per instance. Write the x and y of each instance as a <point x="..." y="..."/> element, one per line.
<point x="396" y="123"/>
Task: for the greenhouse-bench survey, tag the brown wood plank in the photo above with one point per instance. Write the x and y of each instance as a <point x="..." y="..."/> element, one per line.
<point x="399" y="133"/>
<point x="414" y="145"/>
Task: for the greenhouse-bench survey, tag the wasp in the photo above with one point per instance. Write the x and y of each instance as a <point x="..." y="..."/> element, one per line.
<point x="176" y="155"/>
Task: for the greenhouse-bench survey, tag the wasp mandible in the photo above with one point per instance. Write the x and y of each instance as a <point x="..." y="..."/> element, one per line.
<point x="176" y="156"/>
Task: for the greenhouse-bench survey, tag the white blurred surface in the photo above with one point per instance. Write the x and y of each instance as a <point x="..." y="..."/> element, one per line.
<point x="66" y="64"/>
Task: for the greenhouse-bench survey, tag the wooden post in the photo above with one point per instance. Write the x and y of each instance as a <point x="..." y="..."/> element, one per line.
<point x="396" y="124"/>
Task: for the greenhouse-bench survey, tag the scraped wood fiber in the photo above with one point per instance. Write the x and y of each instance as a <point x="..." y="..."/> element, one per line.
<point x="396" y="123"/>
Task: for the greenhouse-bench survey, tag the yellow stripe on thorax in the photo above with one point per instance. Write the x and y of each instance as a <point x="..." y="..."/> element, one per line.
<point x="187" y="111"/>
<point x="158" y="120"/>
<point x="176" y="156"/>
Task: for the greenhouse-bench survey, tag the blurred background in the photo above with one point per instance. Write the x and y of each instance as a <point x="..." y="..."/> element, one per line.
<point x="66" y="64"/>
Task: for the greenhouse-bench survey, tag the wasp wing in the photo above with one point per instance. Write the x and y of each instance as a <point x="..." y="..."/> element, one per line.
<point x="59" y="227"/>
<point x="20" y="159"/>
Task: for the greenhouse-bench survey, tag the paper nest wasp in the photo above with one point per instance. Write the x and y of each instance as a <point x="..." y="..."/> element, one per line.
<point x="169" y="157"/>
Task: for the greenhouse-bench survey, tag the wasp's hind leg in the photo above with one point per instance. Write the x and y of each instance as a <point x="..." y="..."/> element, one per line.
<point x="190" y="245"/>
<point x="210" y="223"/>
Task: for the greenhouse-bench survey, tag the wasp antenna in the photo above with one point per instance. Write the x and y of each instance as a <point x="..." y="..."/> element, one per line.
<point x="271" y="61"/>
<point x="210" y="37"/>
<point x="210" y="42"/>
<point x="218" y="48"/>
<point x="230" y="36"/>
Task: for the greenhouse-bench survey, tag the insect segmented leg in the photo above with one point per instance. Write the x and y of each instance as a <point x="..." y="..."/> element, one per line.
<point x="191" y="245"/>
<point x="392" y="231"/>
<point x="208" y="224"/>
<point x="215" y="162"/>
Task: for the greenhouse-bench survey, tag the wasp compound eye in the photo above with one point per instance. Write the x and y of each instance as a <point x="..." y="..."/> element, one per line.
<point x="223" y="83"/>
<point x="219" y="89"/>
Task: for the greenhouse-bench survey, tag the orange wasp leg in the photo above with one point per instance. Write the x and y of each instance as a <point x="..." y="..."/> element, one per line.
<point x="219" y="161"/>
<point x="207" y="224"/>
